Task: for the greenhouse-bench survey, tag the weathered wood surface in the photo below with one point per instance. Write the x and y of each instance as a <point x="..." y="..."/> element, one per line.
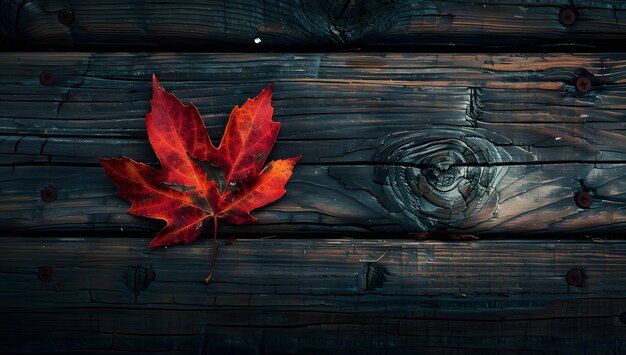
<point x="472" y="143"/>
<point x="236" y="24"/>
<point x="89" y="294"/>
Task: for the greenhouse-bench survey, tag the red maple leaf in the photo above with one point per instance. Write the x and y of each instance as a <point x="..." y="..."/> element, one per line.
<point x="198" y="182"/>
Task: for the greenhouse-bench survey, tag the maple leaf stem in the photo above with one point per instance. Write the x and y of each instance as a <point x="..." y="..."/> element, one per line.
<point x="209" y="276"/>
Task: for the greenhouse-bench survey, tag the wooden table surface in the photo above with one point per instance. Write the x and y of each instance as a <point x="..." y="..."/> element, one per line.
<point x="497" y="127"/>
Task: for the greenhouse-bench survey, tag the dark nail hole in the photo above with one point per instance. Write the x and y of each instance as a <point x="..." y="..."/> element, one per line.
<point x="45" y="273"/>
<point x="583" y="84"/>
<point x="567" y="16"/>
<point x="46" y="78"/>
<point x="583" y="199"/>
<point x="574" y="277"/>
<point x="49" y="194"/>
<point x="66" y="16"/>
<point x="622" y="318"/>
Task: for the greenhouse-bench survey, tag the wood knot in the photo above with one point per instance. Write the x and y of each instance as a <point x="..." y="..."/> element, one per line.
<point x="348" y="20"/>
<point x="443" y="179"/>
<point x="138" y="278"/>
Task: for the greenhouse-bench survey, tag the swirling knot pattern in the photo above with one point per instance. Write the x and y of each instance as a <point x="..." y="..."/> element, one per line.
<point x="443" y="179"/>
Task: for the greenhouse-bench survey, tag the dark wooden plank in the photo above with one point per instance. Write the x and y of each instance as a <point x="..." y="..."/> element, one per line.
<point x="306" y="296"/>
<point x="257" y="24"/>
<point x="326" y="97"/>
<point x="322" y="96"/>
<point x="521" y="200"/>
<point x="475" y="143"/>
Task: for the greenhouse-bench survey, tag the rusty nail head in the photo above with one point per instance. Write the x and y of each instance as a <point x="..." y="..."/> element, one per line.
<point x="583" y="199"/>
<point x="46" y="78"/>
<point x="583" y="84"/>
<point x="622" y="318"/>
<point x="574" y="277"/>
<point x="567" y="16"/>
<point x="66" y="16"/>
<point x="45" y="273"/>
<point x="49" y="194"/>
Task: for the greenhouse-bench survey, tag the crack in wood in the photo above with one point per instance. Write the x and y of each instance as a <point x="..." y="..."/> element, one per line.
<point x="18" y="16"/>
<point x="138" y="279"/>
<point x="474" y="108"/>
<point x="373" y="277"/>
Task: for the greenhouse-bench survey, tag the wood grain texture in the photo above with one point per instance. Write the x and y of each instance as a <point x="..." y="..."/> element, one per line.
<point x="473" y="143"/>
<point x="307" y="296"/>
<point x="196" y="24"/>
